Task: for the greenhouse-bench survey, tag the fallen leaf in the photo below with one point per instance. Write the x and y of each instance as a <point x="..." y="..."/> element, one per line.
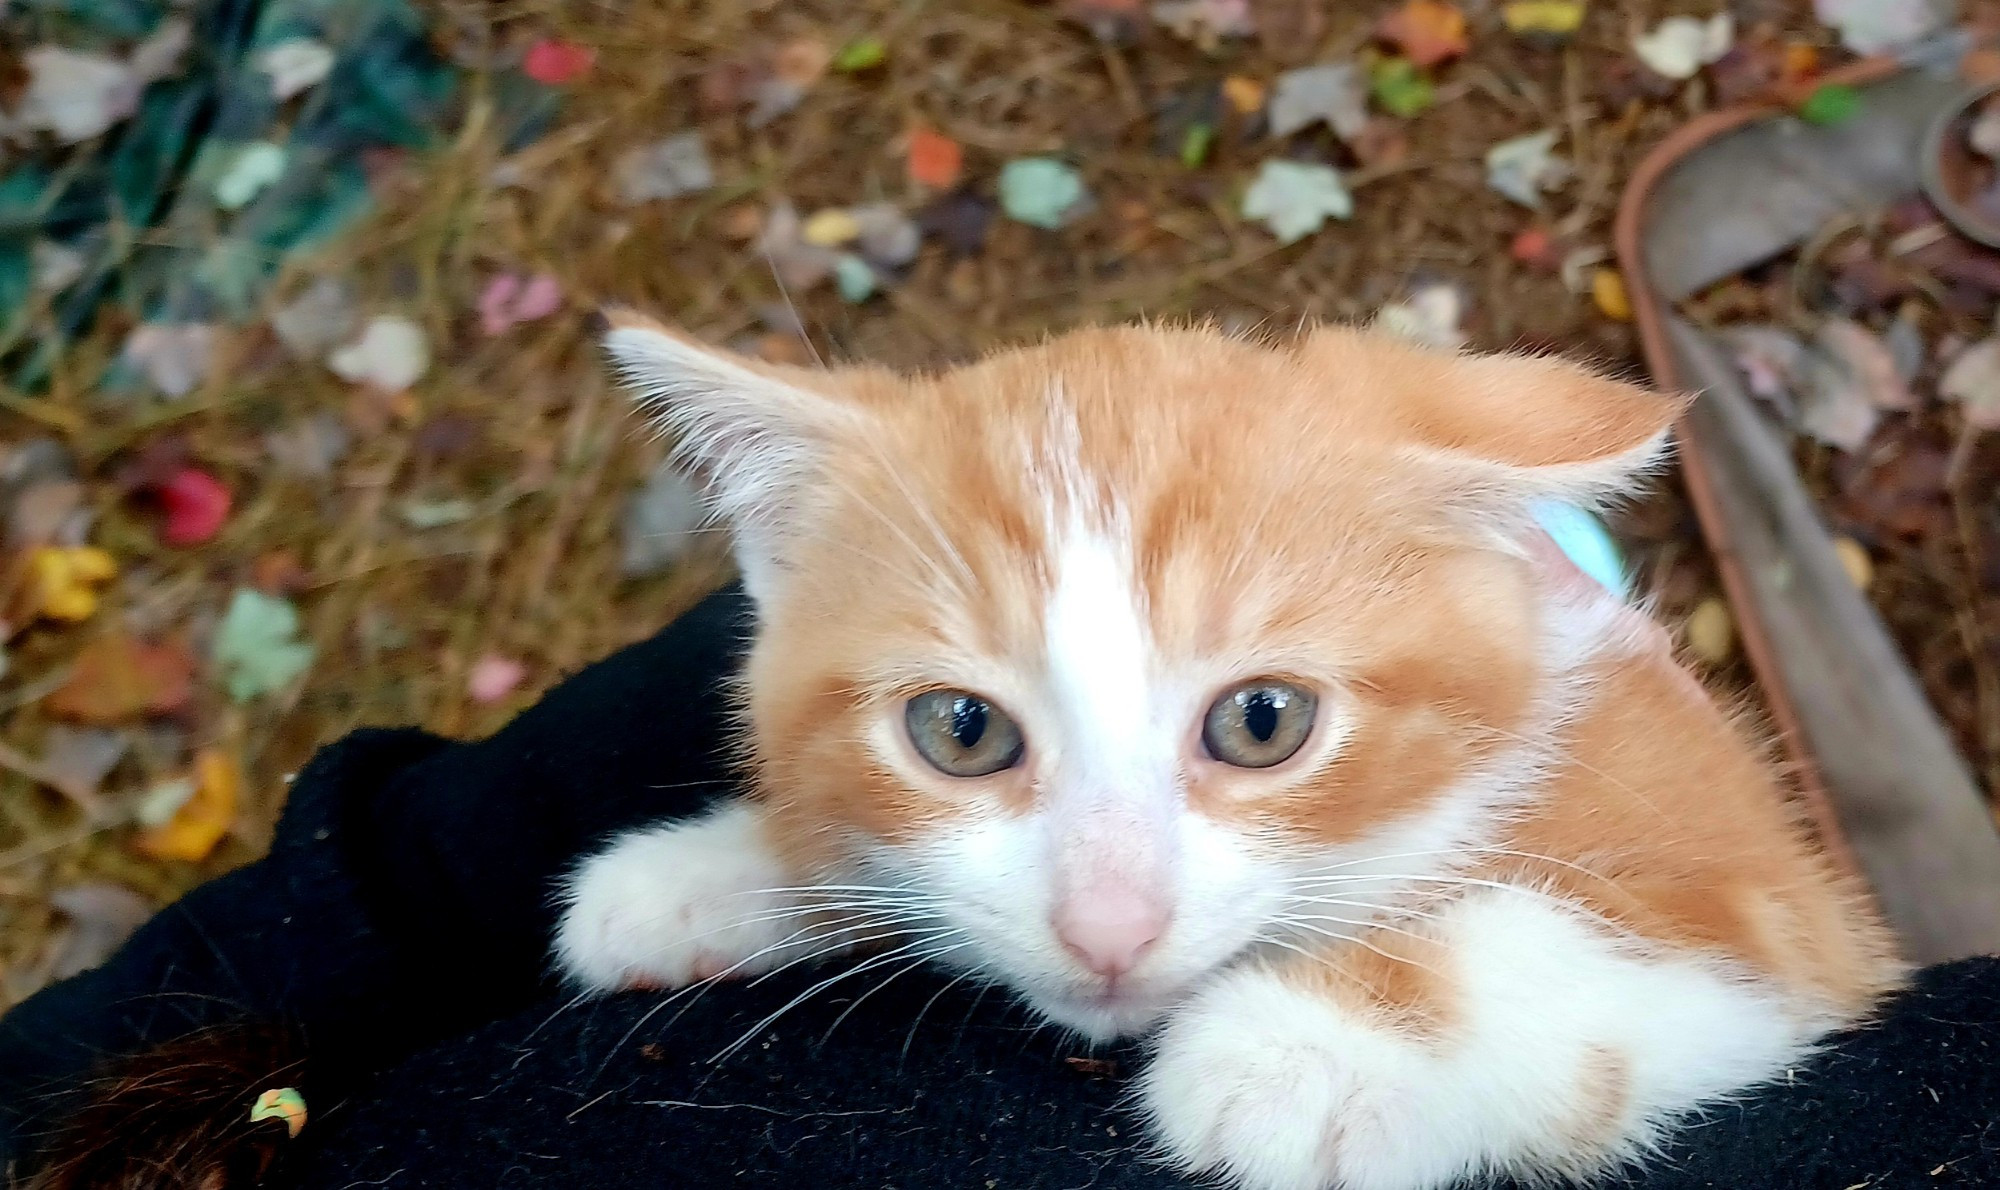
<point x="174" y="357"/>
<point x="117" y="678"/>
<point x="1333" y="93"/>
<point x="1607" y="289"/>
<point x="799" y="265"/>
<point x="933" y="159"/>
<point x="553" y="62"/>
<point x="195" y="503"/>
<point x="391" y="355"/>
<point x="1973" y="380"/>
<point x="1400" y="88"/>
<point x="76" y="760"/>
<point x="159" y="55"/>
<point x="1041" y="191"/>
<point x="1876" y="26"/>
<point x="1835" y="406"/>
<point x="1711" y="632"/>
<point x="281" y="1103"/>
<point x="959" y="220"/>
<point x="1855" y="561"/>
<point x="1114" y="22"/>
<point x="101" y="917"/>
<point x="666" y="168"/>
<point x="886" y="236"/>
<point x="321" y="316"/>
<point x="250" y="170"/>
<point x="659" y="524"/>
<point x="279" y="572"/>
<point x="1295" y="198"/>
<point x="1522" y="168"/>
<point x="1770" y="358"/>
<point x="1382" y="142"/>
<point x="1586" y="542"/>
<point x="192" y="833"/>
<point x="309" y="448"/>
<point x="1427" y="32"/>
<point x="1206" y="23"/>
<point x="1830" y="103"/>
<point x="1534" y="247"/>
<point x="256" y="645"/>
<point x="864" y="53"/>
<point x="1678" y="47"/>
<point x="1245" y="95"/>
<point x="295" y="66"/>
<point x="436" y="514"/>
<point x="509" y="300"/>
<point x="1867" y="359"/>
<point x="55" y="266"/>
<point x="794" y="70"/>
<point x="494" y="677"/>
<point x="75" y="95"/>
<point x="63" y="581"/>
<point x="830" y="228"/>
<point x="1430" y="315"/>
<point x="1537" y="20"/>
<point x="1195" y="144"/>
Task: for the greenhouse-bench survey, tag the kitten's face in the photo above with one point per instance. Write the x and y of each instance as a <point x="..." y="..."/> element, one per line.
<point x="1130" y="654"/>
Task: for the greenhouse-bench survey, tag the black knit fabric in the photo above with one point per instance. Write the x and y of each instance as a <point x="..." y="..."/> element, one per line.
<point x="401" y="922"/>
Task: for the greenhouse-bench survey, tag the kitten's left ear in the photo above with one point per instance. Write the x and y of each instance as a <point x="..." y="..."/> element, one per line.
<point x="1541" y="428"/>
<point x="753" y="436"/>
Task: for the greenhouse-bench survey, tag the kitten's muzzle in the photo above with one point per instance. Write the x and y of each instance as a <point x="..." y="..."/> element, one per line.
<point x="1109" y="928"/>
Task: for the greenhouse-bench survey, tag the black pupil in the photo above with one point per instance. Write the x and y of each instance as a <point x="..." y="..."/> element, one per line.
<point x="1260" y="714"/>
<point x="968" y="722"/>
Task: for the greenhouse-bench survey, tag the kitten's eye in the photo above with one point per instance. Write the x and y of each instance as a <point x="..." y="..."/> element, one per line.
<point x="1258" y="724"/>
<point x="962" y="734"/>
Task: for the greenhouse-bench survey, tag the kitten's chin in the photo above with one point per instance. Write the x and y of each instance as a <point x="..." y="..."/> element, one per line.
<point x="1099" y="1016"/>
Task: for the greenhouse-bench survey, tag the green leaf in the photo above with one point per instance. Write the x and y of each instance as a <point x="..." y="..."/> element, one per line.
<point x="864" y="54"/>
<point x="1830" y="103"/>
<point x="1400" y="87"/>
<point x="1196" y="143"/>
<point x="1040" y="191"/>
<point x="256" y="646"/>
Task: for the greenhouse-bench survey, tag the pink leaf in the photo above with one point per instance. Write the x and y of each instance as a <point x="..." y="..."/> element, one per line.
<point x="508" y="301"/>
<point x="494" y="677"/>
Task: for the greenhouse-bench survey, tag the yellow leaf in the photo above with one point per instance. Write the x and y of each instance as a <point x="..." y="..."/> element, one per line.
<point x="1558" y="18"/>
<point x="195" y="829"/>
<point x="63" y="580"/>
<point x="1607" y="288"/>
<point x="1244" y="93"/>
<point x="830" y="228"/>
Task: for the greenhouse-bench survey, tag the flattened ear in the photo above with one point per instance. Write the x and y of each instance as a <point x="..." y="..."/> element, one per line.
<point x="750" y="434"/>
<point x="1556" y="429"/>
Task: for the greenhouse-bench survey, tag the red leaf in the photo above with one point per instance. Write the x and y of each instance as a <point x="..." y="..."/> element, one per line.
<point x="196" y="505"/>
<point x="555" y="62"/>
<point x="935" y="159"/>
<point x="1428" y="32"/>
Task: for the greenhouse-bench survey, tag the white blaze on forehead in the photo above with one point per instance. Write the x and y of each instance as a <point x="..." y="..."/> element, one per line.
<point x="1100" y="668"/>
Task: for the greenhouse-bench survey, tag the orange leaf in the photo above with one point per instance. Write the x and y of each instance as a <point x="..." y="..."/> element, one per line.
<point x="118" y="678"/>
<point x="194" y="830"/>
<point x="935" y="159"/>
<point x="1428" y="32"/>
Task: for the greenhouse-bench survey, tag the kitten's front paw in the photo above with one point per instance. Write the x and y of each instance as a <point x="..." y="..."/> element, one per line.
<point x="675" y="904"/>
<point x="1274" y="1090"/>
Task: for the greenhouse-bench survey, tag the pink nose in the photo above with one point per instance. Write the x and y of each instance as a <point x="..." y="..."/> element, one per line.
<point x="1109" y="927"/>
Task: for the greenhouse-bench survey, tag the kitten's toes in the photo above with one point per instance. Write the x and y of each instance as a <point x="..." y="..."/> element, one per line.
<point x="1268" y="1088"/>
<point x="667" y="907"/>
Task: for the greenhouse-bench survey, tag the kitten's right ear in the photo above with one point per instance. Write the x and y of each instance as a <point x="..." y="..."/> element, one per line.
<point x="750" y="434"/>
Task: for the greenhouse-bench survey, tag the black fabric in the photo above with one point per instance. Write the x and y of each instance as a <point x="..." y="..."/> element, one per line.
<point x="401" y="921"/>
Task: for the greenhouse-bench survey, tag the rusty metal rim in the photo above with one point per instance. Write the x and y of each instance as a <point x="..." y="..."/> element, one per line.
<point x="1648" y="316"/>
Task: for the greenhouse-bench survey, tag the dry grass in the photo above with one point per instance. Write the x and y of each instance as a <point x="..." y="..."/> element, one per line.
<point x="399" y="616"/>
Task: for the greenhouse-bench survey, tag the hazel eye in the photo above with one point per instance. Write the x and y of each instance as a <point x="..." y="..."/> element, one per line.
<point x="962" y="734"/>
<point x="1258" y="724"/>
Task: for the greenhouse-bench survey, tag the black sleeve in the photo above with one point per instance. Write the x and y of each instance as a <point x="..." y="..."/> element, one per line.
<point x="408" y="889"/>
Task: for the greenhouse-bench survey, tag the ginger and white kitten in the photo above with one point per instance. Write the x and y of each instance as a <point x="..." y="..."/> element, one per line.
<point x="1226" y="690"/>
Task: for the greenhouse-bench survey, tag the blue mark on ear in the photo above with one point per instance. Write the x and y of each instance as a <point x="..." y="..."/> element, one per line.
<point x="1587" y="543"/>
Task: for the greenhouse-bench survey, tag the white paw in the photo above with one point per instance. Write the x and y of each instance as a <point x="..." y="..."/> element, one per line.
<point x="668" y="906"/>
<point x="1274" y="1089"/>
